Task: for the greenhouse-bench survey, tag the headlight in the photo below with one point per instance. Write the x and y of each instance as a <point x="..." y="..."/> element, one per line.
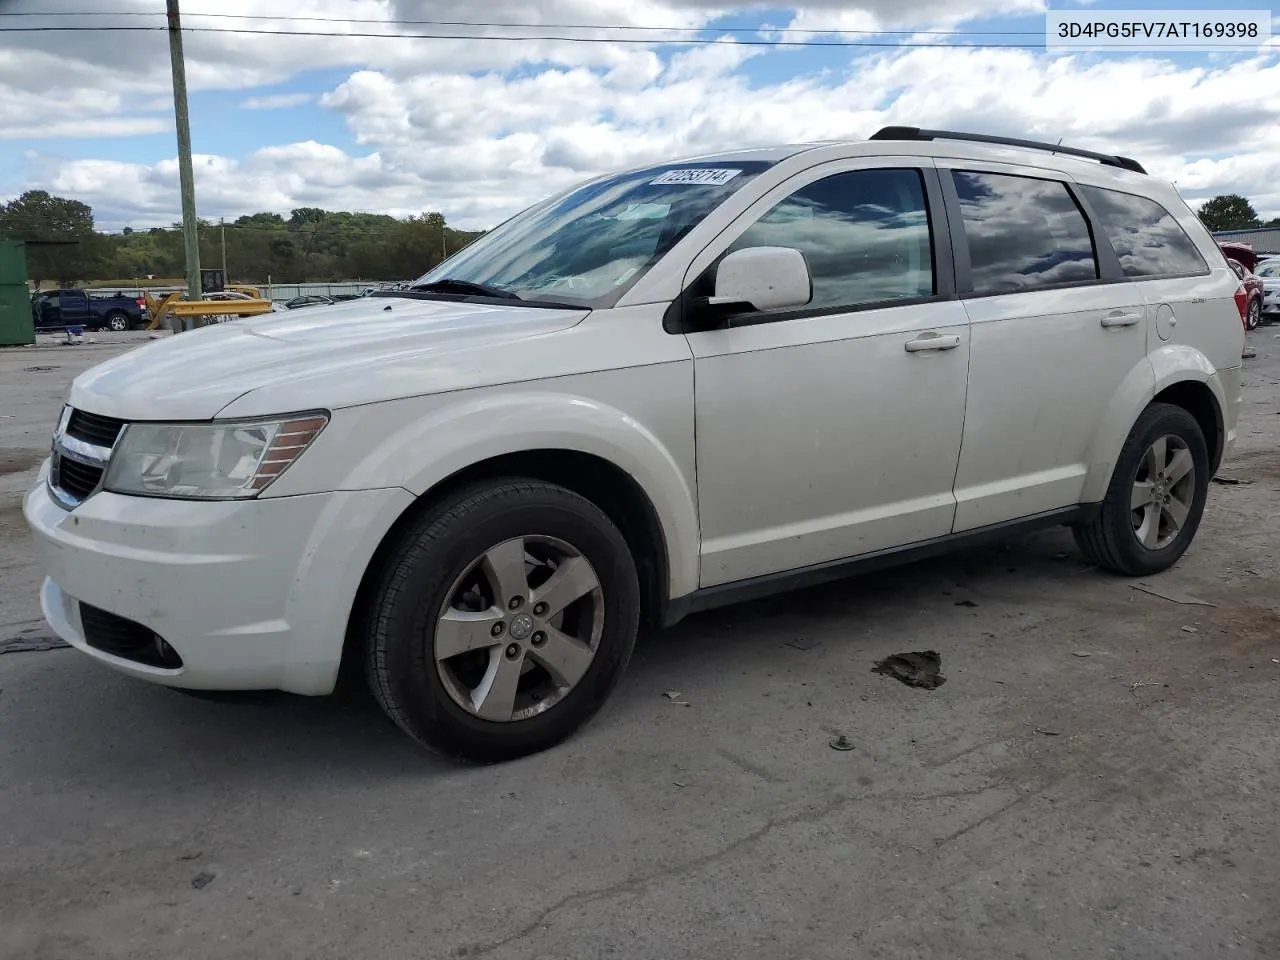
<point x="208" y="461"/>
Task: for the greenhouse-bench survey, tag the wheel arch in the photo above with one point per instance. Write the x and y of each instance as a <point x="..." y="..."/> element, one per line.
<point x="593" y="477"/>
<point x="1176" y="374"/>
<point x="1199" y="400"/>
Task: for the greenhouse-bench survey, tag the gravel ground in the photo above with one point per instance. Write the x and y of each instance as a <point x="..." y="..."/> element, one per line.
<point x="1098" y="776"/>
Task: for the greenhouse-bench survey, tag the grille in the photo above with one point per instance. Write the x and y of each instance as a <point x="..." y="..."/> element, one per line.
<point x="93" y="428"/>
<point x="77" y="479"/>
<point x="126" y="639"/>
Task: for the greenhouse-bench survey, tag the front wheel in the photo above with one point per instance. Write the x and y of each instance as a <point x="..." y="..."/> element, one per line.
<point x="1254" y="315"/>
<point x="1156" y="497"/>
<point x="502" y="620"/>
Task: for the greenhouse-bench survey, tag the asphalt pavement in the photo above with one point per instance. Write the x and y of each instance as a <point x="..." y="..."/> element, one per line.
<point x="1099" y="775"/>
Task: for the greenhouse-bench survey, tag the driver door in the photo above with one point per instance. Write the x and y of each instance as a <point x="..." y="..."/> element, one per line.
<point x="833" y="431"/>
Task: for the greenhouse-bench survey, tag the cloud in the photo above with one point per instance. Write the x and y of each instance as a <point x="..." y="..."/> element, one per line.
<point x="276" y="101"/>
<point x="81" y="129"/>
<point x="479" y="128"/>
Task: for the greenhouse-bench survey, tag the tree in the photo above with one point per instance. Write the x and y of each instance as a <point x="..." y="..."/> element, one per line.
<point x="306" y="215"/>
<point x="1273" y="222"/>
<point x="311" y="245"/>
<point x="38" y="216"/>
<point x="1230" y="211"/>
<point x="272" y="221"/>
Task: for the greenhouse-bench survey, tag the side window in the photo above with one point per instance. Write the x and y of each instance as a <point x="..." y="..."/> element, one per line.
<point x="865" y="235"/>
<point x="1023" y="233"/>
<point x="1148" y="241"/>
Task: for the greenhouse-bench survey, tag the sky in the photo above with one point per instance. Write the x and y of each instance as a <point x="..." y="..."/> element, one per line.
<point x="479" y="127"/>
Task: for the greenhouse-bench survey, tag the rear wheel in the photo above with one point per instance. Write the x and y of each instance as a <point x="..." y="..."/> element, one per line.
<point x="1254" y="315"/>
<point x="117" y="322"/>
<point x="502" y="620"/>
<point x="1156" y="498"/>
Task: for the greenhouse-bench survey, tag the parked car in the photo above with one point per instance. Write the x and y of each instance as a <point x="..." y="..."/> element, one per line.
<point x="821" y="359"/>
<point x="1253" y="290"/>
<point x="310" y="300"/>
<point x="72" y="306"/>
<point x="1268" y="271"/>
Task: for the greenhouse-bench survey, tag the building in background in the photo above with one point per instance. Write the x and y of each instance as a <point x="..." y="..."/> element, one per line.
<point x="1265" y="241"/>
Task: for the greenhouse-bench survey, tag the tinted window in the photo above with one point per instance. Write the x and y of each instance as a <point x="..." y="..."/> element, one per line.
<point x="865" y="235"/>
<point x="1146" y="238"/>
<point x="1023" y="233"/>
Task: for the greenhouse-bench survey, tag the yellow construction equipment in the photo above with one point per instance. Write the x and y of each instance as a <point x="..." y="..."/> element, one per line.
<point x="158" y="308"/>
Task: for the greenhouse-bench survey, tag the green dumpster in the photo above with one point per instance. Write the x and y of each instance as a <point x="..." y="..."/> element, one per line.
<point x="17" y="326"/>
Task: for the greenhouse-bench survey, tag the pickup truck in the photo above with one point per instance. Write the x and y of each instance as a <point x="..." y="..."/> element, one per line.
<point x="55" y="309"/>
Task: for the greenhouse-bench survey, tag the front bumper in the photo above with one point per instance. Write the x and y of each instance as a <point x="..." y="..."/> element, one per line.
<point x="1271" y="301"/>
<point x="251" y="594"/>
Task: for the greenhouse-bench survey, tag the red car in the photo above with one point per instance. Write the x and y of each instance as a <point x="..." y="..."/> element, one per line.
<point x="1243" y="260"/>
<point x="1253" y="290"/>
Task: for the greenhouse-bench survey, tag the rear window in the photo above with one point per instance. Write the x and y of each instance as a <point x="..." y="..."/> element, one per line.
<point x="1024" y="233"/>
<point x="1146" y="237"/>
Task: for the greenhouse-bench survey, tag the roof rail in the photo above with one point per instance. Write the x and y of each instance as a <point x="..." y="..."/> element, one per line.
<point x="915" y="133"/>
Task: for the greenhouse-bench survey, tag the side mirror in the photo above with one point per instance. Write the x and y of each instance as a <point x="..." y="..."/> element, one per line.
<point x="763" y="278"/>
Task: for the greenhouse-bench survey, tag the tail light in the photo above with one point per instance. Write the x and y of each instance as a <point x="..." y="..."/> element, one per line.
<point x="1242" y="303"/>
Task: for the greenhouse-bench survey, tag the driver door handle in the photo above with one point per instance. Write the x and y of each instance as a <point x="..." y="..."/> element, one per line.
<point x="932" y="342"/>
<point x="1119" y="319"/>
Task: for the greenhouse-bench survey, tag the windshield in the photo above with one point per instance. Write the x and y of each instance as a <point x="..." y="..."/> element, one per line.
<point x="590" y="245"/>
<point x="1270" y="269"/>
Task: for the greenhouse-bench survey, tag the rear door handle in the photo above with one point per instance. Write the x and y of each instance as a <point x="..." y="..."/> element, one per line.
<point x="1121" y="319"/>
<point x="932" y="342"/>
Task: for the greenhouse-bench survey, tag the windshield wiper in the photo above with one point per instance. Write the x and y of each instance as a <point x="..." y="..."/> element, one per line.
<point x="454" y="285"/>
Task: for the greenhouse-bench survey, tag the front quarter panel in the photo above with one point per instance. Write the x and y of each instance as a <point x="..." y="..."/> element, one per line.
<point x="639" y="419"/>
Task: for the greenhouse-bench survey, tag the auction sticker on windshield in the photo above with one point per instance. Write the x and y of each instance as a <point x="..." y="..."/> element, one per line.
<point x="699" y="176"/>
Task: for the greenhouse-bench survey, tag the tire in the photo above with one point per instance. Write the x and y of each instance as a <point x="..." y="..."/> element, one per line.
<point x="1110" y="540"/>
<point x="117" y="322"/>
<point x="1254" y="315"/>
<point x="445" y="557"/>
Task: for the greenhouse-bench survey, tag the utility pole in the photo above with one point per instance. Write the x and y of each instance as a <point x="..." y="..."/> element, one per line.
<point x="222" y="227"/>
<point x="186" y="177"/>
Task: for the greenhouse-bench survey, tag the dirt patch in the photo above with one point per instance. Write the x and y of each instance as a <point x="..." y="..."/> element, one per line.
<point x="1255" y="465"/>
<point x="19" y="461"/>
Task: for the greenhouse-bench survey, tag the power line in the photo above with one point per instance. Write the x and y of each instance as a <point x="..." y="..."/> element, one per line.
<point x="546" y="26"/>
<point x="648" y="41"/>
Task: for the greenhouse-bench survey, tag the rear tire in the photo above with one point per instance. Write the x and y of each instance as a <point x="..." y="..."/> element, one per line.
<point x="1254" y="316"/>
<point x="1156" y="497"/>
<point x="117" y="322"/>
<point x="535" y="592"/>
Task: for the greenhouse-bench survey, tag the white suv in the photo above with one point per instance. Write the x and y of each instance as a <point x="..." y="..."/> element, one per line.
<point x="664" y="390"/>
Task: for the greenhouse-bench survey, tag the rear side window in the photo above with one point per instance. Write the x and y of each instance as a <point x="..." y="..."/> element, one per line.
<point x="1023" y="233"/>
<point x="1146" y="238"/>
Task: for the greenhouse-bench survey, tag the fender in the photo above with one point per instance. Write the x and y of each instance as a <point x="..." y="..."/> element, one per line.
<point x="1167" y="365"/>
<point x="436" y="437"/>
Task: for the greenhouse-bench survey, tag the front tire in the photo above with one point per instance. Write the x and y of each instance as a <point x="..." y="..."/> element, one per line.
<point x="1156" y="497"/>
<point x="501" y="620"/>
<point x="1254" y="316"/>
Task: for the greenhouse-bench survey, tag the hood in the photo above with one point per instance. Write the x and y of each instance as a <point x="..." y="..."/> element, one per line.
<point x="375" y="348"/>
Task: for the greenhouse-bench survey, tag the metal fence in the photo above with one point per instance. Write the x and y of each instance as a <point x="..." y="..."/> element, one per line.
<point x="287" y="291"/>
<point x="279" y="292"/>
